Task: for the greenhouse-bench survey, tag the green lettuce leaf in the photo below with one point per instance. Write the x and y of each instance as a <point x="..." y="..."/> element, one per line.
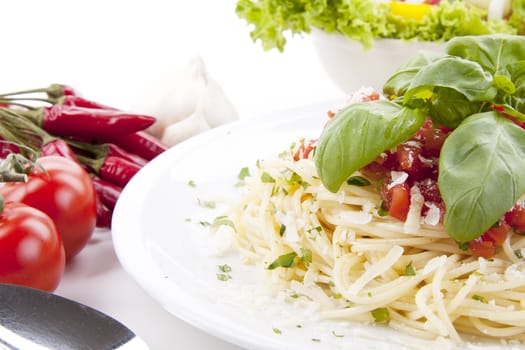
<point x="366" y="20"/>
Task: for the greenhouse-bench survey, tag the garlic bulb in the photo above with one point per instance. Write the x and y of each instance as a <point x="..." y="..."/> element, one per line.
<point x="181" y="130"/>
<point x="185" y="102"/>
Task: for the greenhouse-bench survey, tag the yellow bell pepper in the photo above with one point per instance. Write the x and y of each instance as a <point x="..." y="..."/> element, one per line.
<point x="408" y="10"/>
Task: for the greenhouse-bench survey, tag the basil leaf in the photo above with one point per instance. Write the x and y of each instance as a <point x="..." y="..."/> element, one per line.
<point x="398" y="83"/>
<point x="481" y="171"/>
<point x="492" y="52"/>
<point x="449" y="107"/>
<point x="475" y="84"/>
<point x="358" y="134"/>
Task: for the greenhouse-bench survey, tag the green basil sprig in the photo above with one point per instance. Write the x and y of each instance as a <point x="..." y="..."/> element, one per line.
<point x="482" y="162"/>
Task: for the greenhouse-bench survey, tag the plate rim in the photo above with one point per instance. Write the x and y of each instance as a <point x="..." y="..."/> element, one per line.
<point x="142" y="272"/>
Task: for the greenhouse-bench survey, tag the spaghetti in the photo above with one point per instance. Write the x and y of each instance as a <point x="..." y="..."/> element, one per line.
<point x="341" y="252"/>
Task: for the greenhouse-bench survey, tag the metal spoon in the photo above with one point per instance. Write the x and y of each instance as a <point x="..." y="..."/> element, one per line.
<point x="33" y="319"/>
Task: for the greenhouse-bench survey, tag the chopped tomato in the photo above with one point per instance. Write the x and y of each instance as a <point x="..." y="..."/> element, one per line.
<point x="304" y="150"/>
<point x="430" y="191"/>
<point x="434" y="139"/>
<point x="381" y="167"/>
<point x="482" y="248"/>
<point x="410" y="161"/>
<point x="400" y="202"/>
<point x="497" y="234"/>
<point x="516" y="217"/>
<point x="396" y="200"/>
<point x="485" y="245"/>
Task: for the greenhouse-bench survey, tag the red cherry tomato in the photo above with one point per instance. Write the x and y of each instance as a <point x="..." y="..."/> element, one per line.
<point x="31" y="251"/>
<point x="63" y="191"/>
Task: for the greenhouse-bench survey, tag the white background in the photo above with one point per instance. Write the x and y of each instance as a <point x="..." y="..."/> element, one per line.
<point x="110" y="50"/>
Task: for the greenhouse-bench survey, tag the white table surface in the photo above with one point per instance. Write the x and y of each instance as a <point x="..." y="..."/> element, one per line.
<point x="110" y="50"/>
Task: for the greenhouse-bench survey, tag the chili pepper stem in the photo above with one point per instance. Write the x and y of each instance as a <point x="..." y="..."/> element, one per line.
<point x="94" y="164"/>
<point x="8" y="176"/>
<point x="23" y="92"/>
<point x="52" y="90"/>
<point x="13" y="102"/>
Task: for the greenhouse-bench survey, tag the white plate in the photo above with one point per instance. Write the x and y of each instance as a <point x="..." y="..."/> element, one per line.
<point x="160" y="242"/>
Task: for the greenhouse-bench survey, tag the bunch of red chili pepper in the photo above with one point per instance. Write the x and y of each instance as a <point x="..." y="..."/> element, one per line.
<point x="110" y="144"/>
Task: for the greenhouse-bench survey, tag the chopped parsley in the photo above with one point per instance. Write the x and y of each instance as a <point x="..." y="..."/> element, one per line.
<point x="381" y="211"/>
<point x="222" y="221"/>
<point x="409" y="270"/>
<point x="224" y="274"/>
<point x="277" y="331"/>
<point x="207" y="204"/>
<point x="306" y="257"/>
<point x="282" y="230"/>
<point x="243" y="173"/>
<point x="358" y="181"/>
<point x="225" y="268"/>
<point x="286" y="260"/>
<point x="337" y="335"/>
<point x="463" y="245"/>
<point x="223" y="277"/>
<point x="380" y="314"/>
<point x="480" y="298"/>
<point x="267" y="178"/>
<point x="518" y="254"/>
<point x="191" y="183"/>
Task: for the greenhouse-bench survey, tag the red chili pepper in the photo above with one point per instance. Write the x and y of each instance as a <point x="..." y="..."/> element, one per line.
<point x="77" y="101"/>
<point x="107" y="192"/>
<point x="116" y="170"/>
<point x="104" y="215"/>
<point x="58" y="147"/>
<point x="141" y="143"/>
<point x="89" y="123"/>
<point x="7" y="147"/>
<point x="117" y="151"/>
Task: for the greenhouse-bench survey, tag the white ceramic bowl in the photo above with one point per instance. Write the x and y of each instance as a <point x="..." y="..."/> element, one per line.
<point x="350" y="67"/>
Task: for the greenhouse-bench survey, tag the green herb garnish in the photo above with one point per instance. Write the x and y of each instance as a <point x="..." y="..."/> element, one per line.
<point x="222" y="221"/>
<point x="479" y="298"/>
<point x="225" y="268"/>
<point x="286" y="261"/>
<point x="409" y="270"/>
<point x="380" y="314"/>
<point x="282" y="230"/>
<point x="267" y="178"/>
<point x="358" y="181"/>
<point x="223" y="277"/>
